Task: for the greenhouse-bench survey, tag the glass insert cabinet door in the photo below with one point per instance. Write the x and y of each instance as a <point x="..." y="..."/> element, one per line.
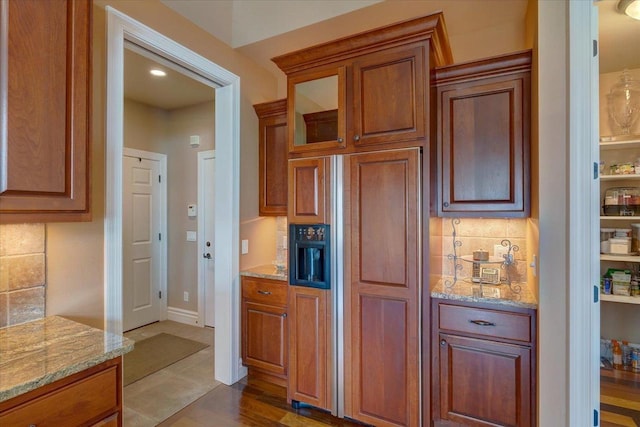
<point x="316" y="116"/>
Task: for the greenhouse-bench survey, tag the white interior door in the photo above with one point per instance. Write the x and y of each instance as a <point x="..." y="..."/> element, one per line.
<point x="206" y="203"/>
<point x="141" y="240"/>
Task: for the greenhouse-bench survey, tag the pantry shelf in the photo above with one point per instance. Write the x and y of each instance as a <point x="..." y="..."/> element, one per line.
<point x="627" y="177"/>
<point x="616" y="145"/>
<point x="621" y="218"/>
<point x="620" y="298"/>
<point x="623" y="258"/>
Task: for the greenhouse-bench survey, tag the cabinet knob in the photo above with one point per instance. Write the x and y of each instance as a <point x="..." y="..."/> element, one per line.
<point x="284" y="315"/>
<point x="445" y="204"/>
<point x="443" y="343"/>
<point x="264" y="292"/>
<point x="356" y="137"/>
<point x="340" y="140"/>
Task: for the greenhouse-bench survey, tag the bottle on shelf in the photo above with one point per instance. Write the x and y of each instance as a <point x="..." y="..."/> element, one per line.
<point x="617" y="354"/>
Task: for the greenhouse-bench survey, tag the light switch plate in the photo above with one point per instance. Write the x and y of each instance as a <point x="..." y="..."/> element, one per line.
<point x="245" y="247"/>
<point x="191" y="236"/>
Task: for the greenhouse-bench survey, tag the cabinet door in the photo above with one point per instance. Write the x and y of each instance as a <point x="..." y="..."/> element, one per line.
<point x="389" y="97"/>
<point x="309" y="346"/>
<point x="382" y="288"/>
<point x="45" y="110"/>
<point x="484" y="383"/>
<point x="273" y="158"/>
<point x="264" y="334"/>
<point x="308" y="190"/>
<point x="483" y="140"/>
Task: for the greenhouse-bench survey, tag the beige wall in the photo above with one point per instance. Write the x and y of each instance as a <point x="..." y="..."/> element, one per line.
<point x="168" y="132"/>
<point x="75" y="251"/>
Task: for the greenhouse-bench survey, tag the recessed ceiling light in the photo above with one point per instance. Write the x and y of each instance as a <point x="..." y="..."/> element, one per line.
<point x="157" y="72"/>
<point x="630" y="8"/>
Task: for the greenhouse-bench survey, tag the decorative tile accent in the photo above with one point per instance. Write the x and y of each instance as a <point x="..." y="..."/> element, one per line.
<point x="18" y="239"/>
<point x="4" y="315"/>
<point x="26" y="305"/>
<point x="22" y="273"/>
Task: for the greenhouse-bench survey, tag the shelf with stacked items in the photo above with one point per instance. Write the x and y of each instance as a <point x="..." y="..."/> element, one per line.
<point x="620" y="298"/>
<point x="483" y="276"/>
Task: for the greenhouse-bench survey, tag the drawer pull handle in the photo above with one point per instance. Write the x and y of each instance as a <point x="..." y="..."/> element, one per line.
<point x="264" y="292"/>
<point x="482" y="323"/>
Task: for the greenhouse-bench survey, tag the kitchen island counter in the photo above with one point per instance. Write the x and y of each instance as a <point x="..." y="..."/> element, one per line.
<point x="502" y="294"/>
<point x="265" y="272"/>
<point x="43" y="351"/>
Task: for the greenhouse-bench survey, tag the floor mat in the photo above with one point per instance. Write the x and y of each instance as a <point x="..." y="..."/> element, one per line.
<point x="155" y="353"/>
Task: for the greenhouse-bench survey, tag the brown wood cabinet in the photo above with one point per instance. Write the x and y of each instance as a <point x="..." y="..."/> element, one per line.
<point x="265" y="328"/>
<point x="272" y="148"/>
<point x="483" y="150"/>
<point x="46" y="90"/>
<point x="88" y="398"/>
<point x="308" y="190"/>
<point x="310" y="346"/>
<point x="483" y="365"/>
<point x="382" y="86"/>
<point x="382" y="287"/>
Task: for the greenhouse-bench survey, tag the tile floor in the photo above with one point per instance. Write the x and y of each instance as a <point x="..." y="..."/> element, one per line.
<point x="156" y="397"/>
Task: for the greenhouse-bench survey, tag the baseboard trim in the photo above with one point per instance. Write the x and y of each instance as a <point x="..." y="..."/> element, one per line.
<point x="183" y="316"/>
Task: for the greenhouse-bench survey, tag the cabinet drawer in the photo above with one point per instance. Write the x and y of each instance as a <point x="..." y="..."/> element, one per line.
<point x="264" y="291"/>
<point x="75" y="404"/>
<point x="480" y="321"/>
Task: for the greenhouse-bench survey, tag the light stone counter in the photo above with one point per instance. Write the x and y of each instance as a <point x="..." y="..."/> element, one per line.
<point x="40" y="352"/>
<point x="463" y="290"/>
<point x="266" y="272"/>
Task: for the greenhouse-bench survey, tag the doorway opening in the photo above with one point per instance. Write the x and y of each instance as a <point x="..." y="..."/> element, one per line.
<point x="122" y="30"/>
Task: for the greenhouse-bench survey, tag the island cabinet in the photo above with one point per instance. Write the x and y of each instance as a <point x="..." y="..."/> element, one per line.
<point x="272" y="151"/>
<point x="483" y="132"/>
<point x="45" y="106"/>
<point x="89" y="398"/>
<point x="483" y="364"/>
<point x="365" y="92"/>
<point x="265" y="328"/>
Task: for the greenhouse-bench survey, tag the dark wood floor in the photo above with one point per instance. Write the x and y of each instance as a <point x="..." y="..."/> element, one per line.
<point x="250" y="402"/>
<point x="619" y="398"/>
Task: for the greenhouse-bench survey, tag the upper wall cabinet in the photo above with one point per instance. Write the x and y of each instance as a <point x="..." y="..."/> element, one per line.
<point x="483" y="152"/>
<point x="272" y="150"/>
<point x="365" y="92"/>
<point x="45" y="106"/>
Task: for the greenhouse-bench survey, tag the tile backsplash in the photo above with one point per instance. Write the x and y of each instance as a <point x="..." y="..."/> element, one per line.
<point x="22" y="273"/>
<point x="282" y="254"/>
<point x="474" y="234"/>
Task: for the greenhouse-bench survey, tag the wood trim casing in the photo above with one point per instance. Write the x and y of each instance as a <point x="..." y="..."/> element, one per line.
<point x="483" y="68"/>
<point x="430" y="26"/>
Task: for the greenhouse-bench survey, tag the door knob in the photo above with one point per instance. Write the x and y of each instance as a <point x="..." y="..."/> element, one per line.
<point x="207" y="255"/>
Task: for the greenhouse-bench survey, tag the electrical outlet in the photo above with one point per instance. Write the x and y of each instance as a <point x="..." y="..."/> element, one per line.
<point x="186" y="297"/>
<point x="245" y="247"/>
<point x="500" y="251"/>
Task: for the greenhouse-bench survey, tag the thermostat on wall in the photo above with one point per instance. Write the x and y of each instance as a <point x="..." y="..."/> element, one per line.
<point x="191" y="211"/>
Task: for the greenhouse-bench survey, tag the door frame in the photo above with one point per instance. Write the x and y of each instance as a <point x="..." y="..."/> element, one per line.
<point x="162" y="163"/>
<point x="583" y="352"/>
<point x="120" y="27"/>
<point x="202" y="156"/>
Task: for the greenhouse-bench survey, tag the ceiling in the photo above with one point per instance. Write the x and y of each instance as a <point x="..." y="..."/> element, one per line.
<point x="619" y="38"/>
<point x="263" y="29"/>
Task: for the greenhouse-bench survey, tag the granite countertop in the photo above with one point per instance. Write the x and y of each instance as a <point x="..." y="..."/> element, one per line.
<point x="40" y="352"/>
<point x="464" y="290"/>
<point x="266" y="272"/>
